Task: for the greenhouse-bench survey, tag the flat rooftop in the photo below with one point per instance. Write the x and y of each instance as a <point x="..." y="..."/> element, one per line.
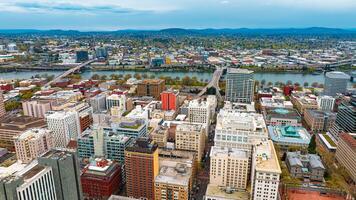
<point x="289" y="134"/>
<point x="267" y="159"/>
<point x="231" y="152"/>
<point x="22" y="123"/>
<point x="174" y="173"/>
<point x="287" y="113"/>
<point x="142" y="145"/>
<point x="220" y="192"/>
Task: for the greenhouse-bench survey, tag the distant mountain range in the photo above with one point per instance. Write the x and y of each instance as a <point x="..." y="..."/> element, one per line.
<point x="188" y="32"/>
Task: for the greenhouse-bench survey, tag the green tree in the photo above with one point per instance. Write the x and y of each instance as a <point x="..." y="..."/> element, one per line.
<point x="12" y="105"/>
<point x="103" y="77"/>
<point x="137" y="76"/>
<point x="144" y="76"/>
<point x="27" y="95"/>
<point x="306" y="84"/>
<point x="127" y="76"/>
<point x="95" y="77"/>
<point x="152" y="76"/>
<point x="312" y="145"/>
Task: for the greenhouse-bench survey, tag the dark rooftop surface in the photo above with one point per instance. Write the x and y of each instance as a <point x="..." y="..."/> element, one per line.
<point x="142" y="145"/>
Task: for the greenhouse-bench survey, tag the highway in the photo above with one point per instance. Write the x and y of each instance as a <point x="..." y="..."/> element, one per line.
<point x="214" y="83"/>
<point x="70" y="71"/>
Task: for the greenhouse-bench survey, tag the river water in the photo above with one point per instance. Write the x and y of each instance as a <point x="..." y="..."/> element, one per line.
<point x="267" y="76"/>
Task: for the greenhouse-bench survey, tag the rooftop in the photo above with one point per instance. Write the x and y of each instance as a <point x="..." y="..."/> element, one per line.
<point x="142" y="145"/>
<point x="267" y="160"/>
<point x="230" y="152"/>
<point x="226" y="193"/>
<point x="239" y="71"/>
<point x="152" y="81"/>
<point x="337" y="75"/>
<point x="175" y="173"/>
<point x="289" y="134"/>
<point x="22" y="123"/>
<point x="349" y="139"/>
<point x="189" y="127"/>
<point x="34" y="133"/>
<point x="288" y="113"/>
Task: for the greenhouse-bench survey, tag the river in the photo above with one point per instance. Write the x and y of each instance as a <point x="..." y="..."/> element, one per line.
<point x="267" y="76"/>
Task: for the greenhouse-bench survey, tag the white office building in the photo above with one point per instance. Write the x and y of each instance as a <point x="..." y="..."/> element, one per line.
<point x="116" y="100"/>
<point x="265" y="173"/>
<point x="65" y="126"/>
<point x="235" y="129"/>
<point x="38" y="183"/>
<point x="326" y="103"/>
<point x="199" y="112"/>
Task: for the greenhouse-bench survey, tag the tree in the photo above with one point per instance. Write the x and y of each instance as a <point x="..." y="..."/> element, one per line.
<point x="114" y="76"/>
<point x="137" y="76"/>
<point x="312" y="145"/>
<point x="103" y="77"/>
<point x="152" y="76"/>
<point x="263" y="82"/>
<point x="12" y="105"/>
<point x="306" y="84"/>
<point x="27" y="95"/>
<point x="289" y="82"/>
<point x="270" y="83"/>
<point x="95" y="77"/>
<point x="127" y="76"/>
<point x="144" y="76"/>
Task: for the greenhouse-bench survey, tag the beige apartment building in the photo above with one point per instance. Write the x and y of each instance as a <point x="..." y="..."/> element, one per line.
<point x="229" y="167"/>
<point x="2" y="105"/>
<point x="191" y="137"/>
<point x="32" y="143"/>
<point x="346" y="149"/>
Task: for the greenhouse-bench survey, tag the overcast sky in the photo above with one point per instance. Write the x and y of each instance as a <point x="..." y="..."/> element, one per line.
<point x="158" y="14"/>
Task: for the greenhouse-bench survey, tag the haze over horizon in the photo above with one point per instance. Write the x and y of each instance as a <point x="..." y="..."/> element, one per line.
<point x="160" y="14"/>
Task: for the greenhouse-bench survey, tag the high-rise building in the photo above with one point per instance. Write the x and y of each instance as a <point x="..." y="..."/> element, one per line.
<point x="66" y="173"/>
<point x="101" y="53"/>
<point x="82" y="56"/>
<point x="176" y="175"/>
<point x="98" y="102"/>
<point x="150" y="87"/>
<point x="239" y="130"/>
<point x="265" y="174"/>
<point x="169" y="100"/>
<point x="335" y="82"/>
<point x="239" y="85"/>
<point x="191" y="137"/>
<point x="65" y="126"/>
<point x="141" y="166"/>
<point x="32" y="143"/>
<point x="14" y="126"/>
<point x="100" y="179"/>
<point x="2" y="105"/>
<point x="326" y="103"/>
<point x="199" y="112"/>
<point x="117" y="101"/>
<point x="346" y="153"/>
<point x="229" y="167"/>
<point x="32" y="182"/>
<point x="36" y="108"/>
<point x="100" y="143"/>
<point x="346" y="118"/>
